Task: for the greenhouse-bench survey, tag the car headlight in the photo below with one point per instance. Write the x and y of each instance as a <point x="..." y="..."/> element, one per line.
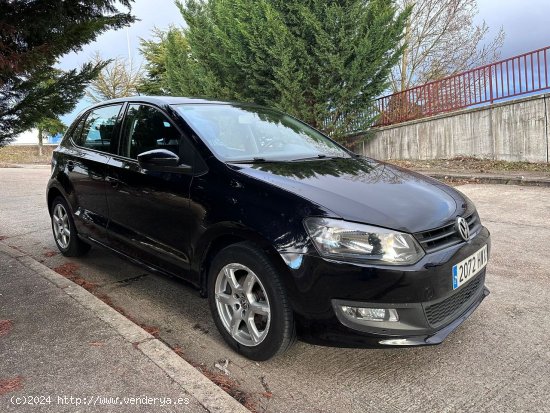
<point x="349" y="241"/>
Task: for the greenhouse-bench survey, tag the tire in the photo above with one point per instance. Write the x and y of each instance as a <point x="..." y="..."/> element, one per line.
<point x="64" y="230"/>
<point x="242" y="284"/>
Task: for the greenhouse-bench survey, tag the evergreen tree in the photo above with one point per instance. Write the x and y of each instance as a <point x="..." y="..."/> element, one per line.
<point x="322" y="61"/>
<point x="154" y="54"/>
<point x="33" y="35"/>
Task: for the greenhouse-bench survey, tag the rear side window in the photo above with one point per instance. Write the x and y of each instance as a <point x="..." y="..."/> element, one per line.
<point x="77" y="130"/>
<point x="100" y="130"/>
<point x="145" y="129"/>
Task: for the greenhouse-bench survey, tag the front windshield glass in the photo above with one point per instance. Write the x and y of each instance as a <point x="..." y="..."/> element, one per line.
<point x="248" y="133"/>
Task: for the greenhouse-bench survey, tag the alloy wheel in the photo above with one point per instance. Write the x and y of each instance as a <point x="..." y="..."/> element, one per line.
<point x="61" y="226"/>
<point x="242" y="304"/>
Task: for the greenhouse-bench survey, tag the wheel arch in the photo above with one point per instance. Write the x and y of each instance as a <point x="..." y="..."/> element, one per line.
<point x="216" y="240"/>
<point x="53" y="193"/>
<point x="60" y="185"/>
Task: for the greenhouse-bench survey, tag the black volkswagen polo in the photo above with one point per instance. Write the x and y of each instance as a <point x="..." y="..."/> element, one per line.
<point x="285" y="231"/>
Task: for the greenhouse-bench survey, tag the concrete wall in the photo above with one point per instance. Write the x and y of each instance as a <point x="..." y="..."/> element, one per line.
<point x="517" y="130"/>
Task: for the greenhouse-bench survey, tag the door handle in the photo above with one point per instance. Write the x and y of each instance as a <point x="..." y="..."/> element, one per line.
<point x="70" y="165"/>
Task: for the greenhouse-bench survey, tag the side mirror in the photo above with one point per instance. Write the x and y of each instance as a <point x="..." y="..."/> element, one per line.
<point x="161" y="160"/>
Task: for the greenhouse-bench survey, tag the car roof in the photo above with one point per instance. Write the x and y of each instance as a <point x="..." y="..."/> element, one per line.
<point x="162" y="100"/>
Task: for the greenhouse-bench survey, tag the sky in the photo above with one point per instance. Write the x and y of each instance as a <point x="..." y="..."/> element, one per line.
<point x="151" y="13"/>
<point x="525" y="22"/>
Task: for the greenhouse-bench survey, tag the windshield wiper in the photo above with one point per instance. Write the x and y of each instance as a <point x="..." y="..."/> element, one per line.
<point x="253" y="160"/>
<point x="319" y="156"/>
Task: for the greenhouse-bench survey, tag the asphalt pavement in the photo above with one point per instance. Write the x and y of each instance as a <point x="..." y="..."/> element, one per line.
<point x="497" y="361"/>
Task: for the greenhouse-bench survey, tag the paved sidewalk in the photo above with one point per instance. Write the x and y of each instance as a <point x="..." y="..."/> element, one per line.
<point x="71" y="352"/>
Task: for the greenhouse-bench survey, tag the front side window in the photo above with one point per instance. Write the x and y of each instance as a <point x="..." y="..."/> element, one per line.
<point x="145" y="129"/>
<point x="99" y="132"/>
<point x="240" y="133"/>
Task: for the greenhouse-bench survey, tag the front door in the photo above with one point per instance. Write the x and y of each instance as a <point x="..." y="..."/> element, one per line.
<point x="149" y="211"/>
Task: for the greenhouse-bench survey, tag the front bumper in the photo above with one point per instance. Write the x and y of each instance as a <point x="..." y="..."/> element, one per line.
<point x="401" y="335"/>
<point x="428" y="307"/>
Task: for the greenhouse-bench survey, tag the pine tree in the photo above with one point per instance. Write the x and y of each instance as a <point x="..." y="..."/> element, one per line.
<point x="322" y="61"/>
<point x="33" y="35"/>
<point x="154" y="54"/>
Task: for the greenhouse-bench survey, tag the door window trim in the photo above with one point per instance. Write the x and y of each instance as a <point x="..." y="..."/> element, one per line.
<point x="124" y="120"/>
<point x="172" y="123"/>
<point x="118" y="130"/>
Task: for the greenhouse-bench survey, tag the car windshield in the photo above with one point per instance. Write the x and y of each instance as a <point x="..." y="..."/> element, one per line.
<point x="248" y="133"/>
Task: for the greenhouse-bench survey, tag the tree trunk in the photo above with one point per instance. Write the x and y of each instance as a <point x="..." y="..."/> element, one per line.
<point x="405" y="58"/>
<point x="40" y="138"/>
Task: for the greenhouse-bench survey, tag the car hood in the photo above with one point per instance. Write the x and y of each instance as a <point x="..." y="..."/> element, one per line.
<point x="367" y="191"/>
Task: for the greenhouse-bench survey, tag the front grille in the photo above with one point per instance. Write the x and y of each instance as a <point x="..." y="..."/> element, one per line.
<point x="447" y="235"/>
<point x="451" y="306"/>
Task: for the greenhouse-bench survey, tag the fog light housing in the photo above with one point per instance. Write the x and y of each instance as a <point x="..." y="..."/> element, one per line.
<point x="370" y="314"/>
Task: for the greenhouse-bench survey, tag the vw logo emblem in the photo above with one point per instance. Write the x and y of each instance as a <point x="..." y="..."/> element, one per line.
<point x="463" y="228"/>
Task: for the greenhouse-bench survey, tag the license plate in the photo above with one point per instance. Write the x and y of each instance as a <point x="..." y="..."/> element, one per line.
<point x="469" y="267"/>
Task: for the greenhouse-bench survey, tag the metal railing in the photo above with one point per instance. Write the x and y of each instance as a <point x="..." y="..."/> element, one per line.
<point x="519" y="75"/>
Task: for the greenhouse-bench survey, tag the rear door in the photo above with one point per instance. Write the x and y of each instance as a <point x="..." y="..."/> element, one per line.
<point x="93" y="141"/>
<point x="149" y="211"/>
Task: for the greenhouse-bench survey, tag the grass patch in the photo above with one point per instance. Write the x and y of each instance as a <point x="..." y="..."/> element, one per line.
<point x="473" y="165"/>
<point x="25" y="154"/>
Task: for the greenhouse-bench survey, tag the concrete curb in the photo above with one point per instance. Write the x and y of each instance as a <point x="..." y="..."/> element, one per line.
<point x="491" y="179"/>
<point x="209" y="396"/>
